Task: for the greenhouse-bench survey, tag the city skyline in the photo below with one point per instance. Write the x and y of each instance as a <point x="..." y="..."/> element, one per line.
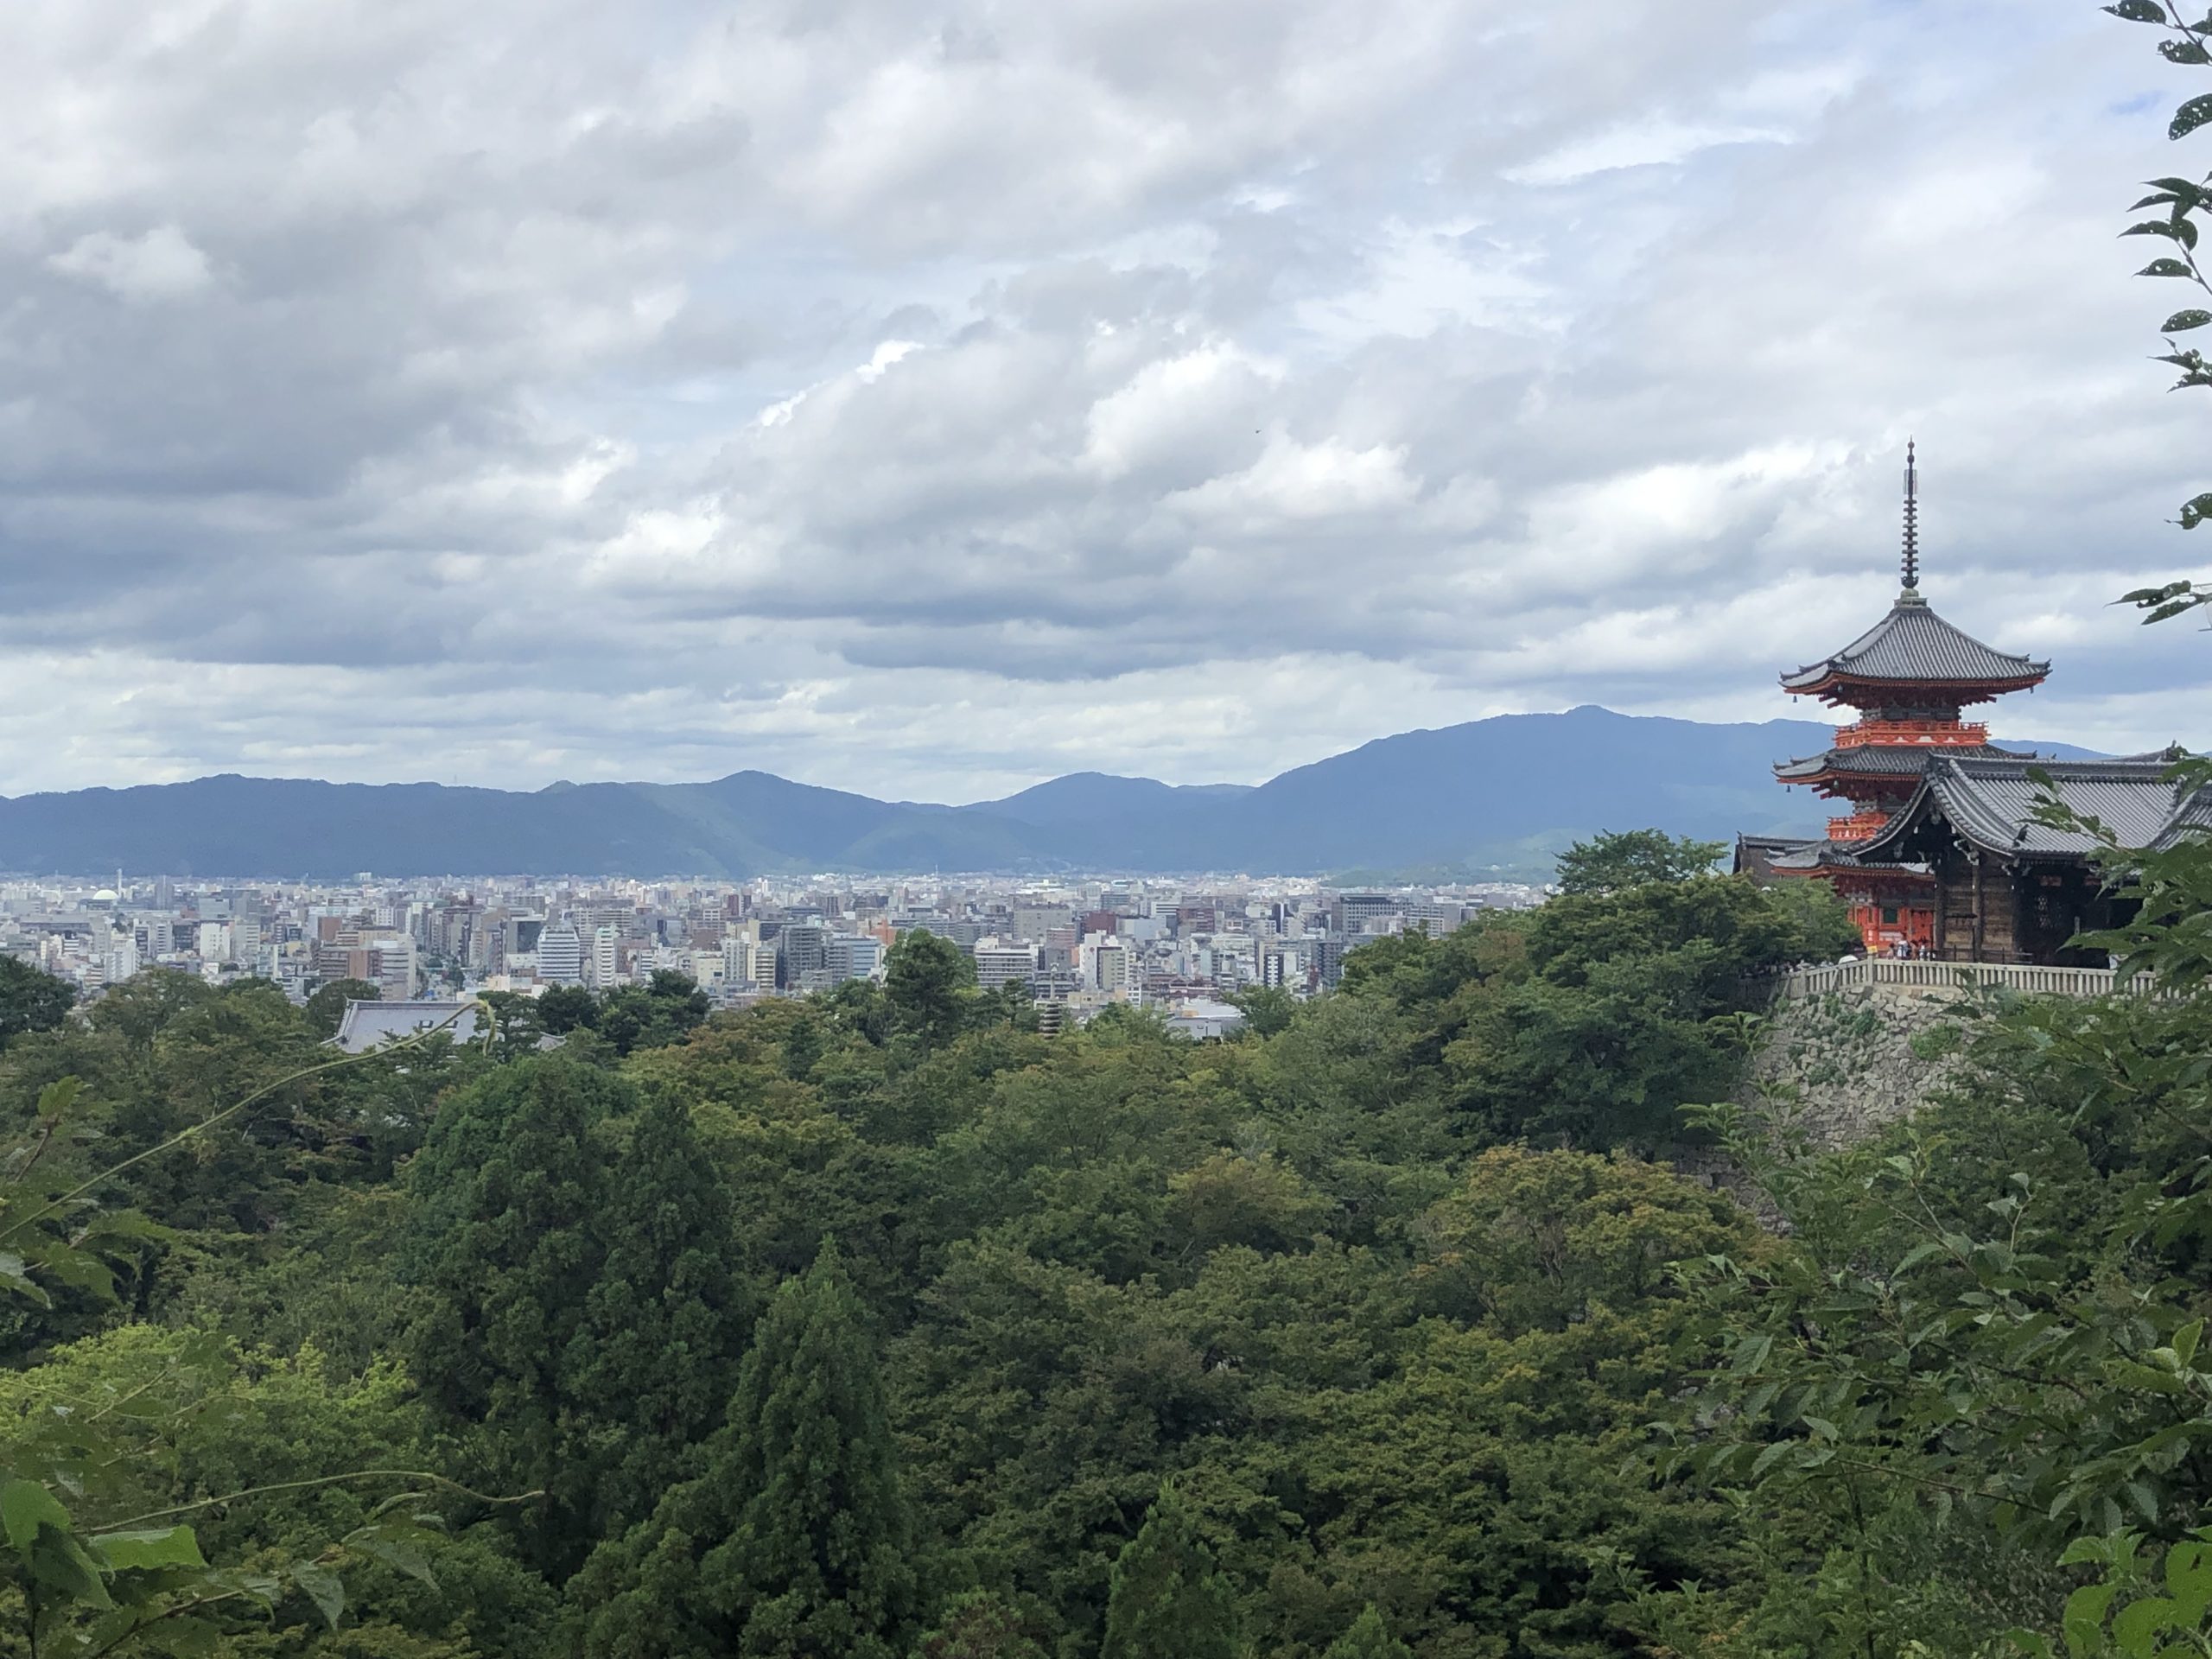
<point x="929" y="405"/>
<point x="406" y="953"/>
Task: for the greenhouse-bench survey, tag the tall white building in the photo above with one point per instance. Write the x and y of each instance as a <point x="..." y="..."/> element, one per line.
<point x="855" y="956"/>
<point x="606" y="944"/>
<point x="1104" y="965"/>
<point x="998" y="963"/>
<point x="745" y="961"/>
<point x="560" y="954"/>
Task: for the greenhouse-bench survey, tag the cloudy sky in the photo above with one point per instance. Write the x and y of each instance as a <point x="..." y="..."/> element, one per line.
<point x="927" y="396"/>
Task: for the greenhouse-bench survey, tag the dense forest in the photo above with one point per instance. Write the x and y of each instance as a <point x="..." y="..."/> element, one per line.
<point x="881" y="1325"/>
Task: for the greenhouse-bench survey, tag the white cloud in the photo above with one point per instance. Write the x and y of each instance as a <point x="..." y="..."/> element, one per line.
<point x="1658" y="143"/>
<point x="928" y="403"/>
<point x="1293" y="484"/>
<point x="160" y="264"/>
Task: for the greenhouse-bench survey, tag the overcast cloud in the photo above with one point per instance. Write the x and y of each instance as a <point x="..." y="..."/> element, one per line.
<point x="928" y="397"/>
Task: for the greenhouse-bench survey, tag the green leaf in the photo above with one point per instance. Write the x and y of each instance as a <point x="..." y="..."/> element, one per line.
<point x="1751" y="1354"/>
<point x="56" y="1098"/>
<point x="2190" y="116"/>
<point x="2146" y="1376"/>
<point x="2189" y="52"/>
<point x="2189" y="1582"/>
<point x="2137" y="12"/>
<point x="59" y="1562"/>
<point x="185" y="1638"/>
<point x="323" y="1586"/>
<point x="13" y="1277"/>
<point x="148" y="1550"/>
<point x="2186" y="1338"/>
<point x="2166" y="268"/>
<point x="404" y="1557"/>
<point x="2185" y="320"/>
<point x="2083" y="1621"/>
<point x="2137" y="1623"/>
<point x="25" y="1506"/>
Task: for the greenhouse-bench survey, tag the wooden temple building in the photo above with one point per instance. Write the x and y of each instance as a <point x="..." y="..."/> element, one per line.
<point x="1940" y="852"/>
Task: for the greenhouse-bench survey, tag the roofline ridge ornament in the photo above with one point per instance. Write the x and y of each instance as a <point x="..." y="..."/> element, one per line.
<point x="1911" y="591"/>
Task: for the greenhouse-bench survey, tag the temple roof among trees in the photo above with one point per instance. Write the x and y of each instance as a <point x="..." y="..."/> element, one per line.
<point x="1913" y="646"/>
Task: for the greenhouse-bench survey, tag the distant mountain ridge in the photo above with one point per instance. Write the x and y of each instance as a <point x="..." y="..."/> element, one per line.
<point x="1498" y="793"/>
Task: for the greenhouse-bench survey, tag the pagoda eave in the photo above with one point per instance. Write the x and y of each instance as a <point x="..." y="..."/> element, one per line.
<point x="1855" y="787"/>
<point x="1849" y="691"/>
<point x="1866" y="876"/>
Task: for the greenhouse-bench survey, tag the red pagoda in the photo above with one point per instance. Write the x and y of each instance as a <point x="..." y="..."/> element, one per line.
<point x="1910" y="678"/>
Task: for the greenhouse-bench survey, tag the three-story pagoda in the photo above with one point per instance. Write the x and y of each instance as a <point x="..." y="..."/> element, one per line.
<point x="1910" y="679"/>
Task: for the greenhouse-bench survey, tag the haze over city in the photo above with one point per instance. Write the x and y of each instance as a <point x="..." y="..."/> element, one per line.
<point x="927" y="402"/>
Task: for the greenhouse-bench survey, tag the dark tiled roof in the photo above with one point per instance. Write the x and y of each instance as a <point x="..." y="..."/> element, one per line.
<point x="1879" y="760"/>
<point x="1837" y="855"/>
<point x="366" y="1025"/>
<point x="1912" y="646"/>
<point x="1991" y="802"/>
<point x="1755" y="855"/>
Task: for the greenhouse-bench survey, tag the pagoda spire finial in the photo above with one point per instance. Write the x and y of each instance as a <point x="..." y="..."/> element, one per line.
<point x="1911" y="520"/>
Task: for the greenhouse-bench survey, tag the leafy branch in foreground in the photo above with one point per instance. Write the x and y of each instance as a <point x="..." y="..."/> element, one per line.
<point x="92" y="1585"/>
<point x="2188" y="44"/>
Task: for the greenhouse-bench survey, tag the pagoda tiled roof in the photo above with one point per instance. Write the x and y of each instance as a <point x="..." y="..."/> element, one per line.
<point x="1990" y="802"/>
<point x="1912" y="646"/>
<point x="1880" y="760"/>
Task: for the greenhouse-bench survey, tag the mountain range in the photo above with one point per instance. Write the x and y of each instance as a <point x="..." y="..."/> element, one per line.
<point x="1492" y="796"/>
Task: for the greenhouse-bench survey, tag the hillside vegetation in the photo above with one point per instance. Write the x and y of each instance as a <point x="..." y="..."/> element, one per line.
<point x="880" y="1324"/>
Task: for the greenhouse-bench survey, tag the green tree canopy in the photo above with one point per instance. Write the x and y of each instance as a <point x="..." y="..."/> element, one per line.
<point x="1369" y="1637"/>
<point x="564" y="1008"/>
<point x="1629" y="858"/>
<point x="977" y="1625"/>
<point x="797" y="1540"/>
<point x="930" y="982"/>
<point x="506" y="1197"/>
<point x="30" y="1000"/>
<point x="663" y="1010"/>
<point x="1167" y="1600"/>
<point x="656" y="1355"/>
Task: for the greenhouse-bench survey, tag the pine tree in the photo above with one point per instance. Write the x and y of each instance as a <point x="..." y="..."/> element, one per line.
<point x="928" y="981"/>
<point x="1369" y="1638"/>
<point x="795" y="1543"/>
<point x="502" y="1243"/>
<point x="664" y="1324"/>
<point x="819" y="1562"/>
<point x="1166" y="1599"/>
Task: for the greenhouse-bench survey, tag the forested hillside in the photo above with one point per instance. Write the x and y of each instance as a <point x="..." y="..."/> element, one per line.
<point x="880" y="1324"/>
